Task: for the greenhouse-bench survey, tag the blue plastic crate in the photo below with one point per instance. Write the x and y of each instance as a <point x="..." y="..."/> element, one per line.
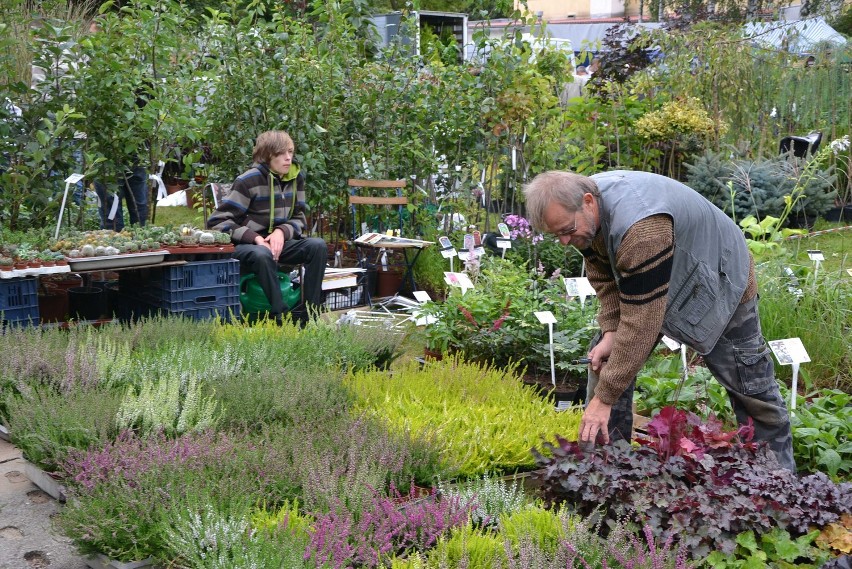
<point x="19" y="301"/>
<point x="193" y="299"/>
<point x="227" y="309"/>
<point x="195" y="275"/>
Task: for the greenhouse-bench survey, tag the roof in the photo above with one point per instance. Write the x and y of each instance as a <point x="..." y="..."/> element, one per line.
<point x="796" y="37"/>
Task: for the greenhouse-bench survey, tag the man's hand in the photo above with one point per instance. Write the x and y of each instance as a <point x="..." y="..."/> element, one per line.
<point x="275" y="242"/>
<point x="600" y="353"/>
<point x="594" y="424"/>
<point x="262" y="243"/>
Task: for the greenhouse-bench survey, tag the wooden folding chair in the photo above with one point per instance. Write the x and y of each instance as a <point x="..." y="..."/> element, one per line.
<point x="361" y="193"/>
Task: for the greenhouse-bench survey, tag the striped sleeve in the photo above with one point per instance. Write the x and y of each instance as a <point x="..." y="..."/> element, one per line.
<point x="232" y="214"/>
<point x="644" y="261"/>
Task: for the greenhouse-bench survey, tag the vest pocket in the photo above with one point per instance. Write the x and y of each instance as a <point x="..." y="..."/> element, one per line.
<point x="754" y="365"/>
<point x="692" y="311"/>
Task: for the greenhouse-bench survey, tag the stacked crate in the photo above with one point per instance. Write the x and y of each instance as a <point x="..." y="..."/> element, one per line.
<point x="198" y="290"/>
<point x="19" y="302"/>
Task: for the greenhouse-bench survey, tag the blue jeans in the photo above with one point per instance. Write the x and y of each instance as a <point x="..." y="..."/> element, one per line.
<point x="132" y="187"/>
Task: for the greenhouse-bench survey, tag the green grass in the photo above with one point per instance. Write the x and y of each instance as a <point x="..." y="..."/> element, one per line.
<point x="177" y="216"/>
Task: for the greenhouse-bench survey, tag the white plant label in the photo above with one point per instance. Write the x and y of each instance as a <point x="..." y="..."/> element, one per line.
<point x="545" y="317"/>
<point x="815" y="255"/>
<point x="579" y="286"/>
<point x="422" y="296"/>
<point x="849" y="271"/>
<point x="504" y="243"/>
<point x="673" y="345"/>
<point x="73" y="178"/>
<point x="789" y="351"/>
<point x="460" y="280"/>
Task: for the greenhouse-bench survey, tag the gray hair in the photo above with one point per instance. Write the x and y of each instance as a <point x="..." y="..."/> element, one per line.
<point x="562" y="188"/>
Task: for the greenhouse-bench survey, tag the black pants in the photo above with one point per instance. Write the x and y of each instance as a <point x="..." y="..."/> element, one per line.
<point x="311" y="252"/>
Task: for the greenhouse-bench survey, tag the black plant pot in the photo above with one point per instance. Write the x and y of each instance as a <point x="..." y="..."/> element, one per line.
<point x="839" y="214"/>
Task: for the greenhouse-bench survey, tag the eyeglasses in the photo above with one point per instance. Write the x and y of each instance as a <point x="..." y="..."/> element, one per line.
<point x="567" y="232"/>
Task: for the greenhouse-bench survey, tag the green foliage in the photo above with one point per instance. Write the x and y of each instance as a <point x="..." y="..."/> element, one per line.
<point x="821" y="318"/>
<point x="495" y="322"/>
<point x="468" y="547"/>
<point x="544" y="528"/>
<point x="822" y="433"/>
<point x="658" y="385"/>
<point x="46" y="425"/>
<point x="460" y="402"/>
<point x="775" y="548"/>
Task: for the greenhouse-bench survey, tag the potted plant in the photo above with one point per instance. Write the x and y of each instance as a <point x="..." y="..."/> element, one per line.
<point x="7" y="264"/>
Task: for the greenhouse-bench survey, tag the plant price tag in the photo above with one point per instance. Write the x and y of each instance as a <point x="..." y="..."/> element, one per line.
<point x="815" y="255"/>
<point x="545" y="317"/>
<point x="73" y="178"/>
<point x="789" y="351"/>
<point x="504" y="243"/>
<point x="673" y="345"/>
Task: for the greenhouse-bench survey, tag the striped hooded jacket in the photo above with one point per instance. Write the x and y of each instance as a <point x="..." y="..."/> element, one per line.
<point x="247" y="211"/>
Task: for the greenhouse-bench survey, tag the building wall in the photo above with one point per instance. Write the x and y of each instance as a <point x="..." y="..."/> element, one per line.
<point x="562" y="9"/>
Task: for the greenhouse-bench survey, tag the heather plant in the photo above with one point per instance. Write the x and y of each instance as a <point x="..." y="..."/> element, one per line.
<point x="381" y="530"/>
<point x="174" y="404"/>
<point x="278" y="395"/>
<point x="354" y="458"/>
<point x="471" y="547"/>
<point x="692" y="480"/>
<point x="201" y="537"/>
<point x="47" y="425"/>
<point x="540" y="527"/>
<point x="111" y="510"/>
<point x="458" y="403"/>
<point x="489" y="496"/>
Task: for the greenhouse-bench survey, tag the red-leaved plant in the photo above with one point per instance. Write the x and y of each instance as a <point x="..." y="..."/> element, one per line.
<point x="675" y="432"/>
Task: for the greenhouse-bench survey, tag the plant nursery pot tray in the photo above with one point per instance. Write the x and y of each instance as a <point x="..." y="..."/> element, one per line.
<point x="47" y="483"/>
<point x="117" y="261"/>
<point x="100" y="561"/>
<point x="33" y="272"/>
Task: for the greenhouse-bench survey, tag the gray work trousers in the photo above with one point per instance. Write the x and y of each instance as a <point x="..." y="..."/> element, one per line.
<point x="742" y="363"/>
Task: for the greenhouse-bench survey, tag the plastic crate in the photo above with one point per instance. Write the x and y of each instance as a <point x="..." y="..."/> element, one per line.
<point x="227" y="310"/>
<point x="164" y="282"/>
<point x="19" y="302"/>
<point x="343" y="298"/>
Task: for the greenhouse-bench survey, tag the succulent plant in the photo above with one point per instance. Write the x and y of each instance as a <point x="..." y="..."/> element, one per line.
<point x="87" y="250"/>
<point x="206" y="238"/>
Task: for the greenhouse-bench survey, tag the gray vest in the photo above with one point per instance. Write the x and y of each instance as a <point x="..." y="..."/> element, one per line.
<point x="711" y="261"/>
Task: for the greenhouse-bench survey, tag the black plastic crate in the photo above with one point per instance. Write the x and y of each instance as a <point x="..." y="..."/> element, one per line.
<point x="19" y="302"/>
<point x="343" y="298"/>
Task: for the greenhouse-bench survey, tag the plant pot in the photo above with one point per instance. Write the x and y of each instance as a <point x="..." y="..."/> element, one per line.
<point x="87" y="303"/>
<point x="20" y="265"/>
<point x="388" y="282"/>
<point x="53" y="305"/>
<point x="839" y="214"/>
<point x="434" y="355"/>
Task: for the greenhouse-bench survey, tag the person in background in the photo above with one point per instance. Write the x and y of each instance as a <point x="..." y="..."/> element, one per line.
<point x="594" y="65"/>
<point x="264" y="213"/>
<point x="663" y="260"/>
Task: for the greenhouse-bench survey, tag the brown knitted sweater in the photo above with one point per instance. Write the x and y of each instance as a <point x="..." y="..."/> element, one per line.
<point x="634" y="310"/>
